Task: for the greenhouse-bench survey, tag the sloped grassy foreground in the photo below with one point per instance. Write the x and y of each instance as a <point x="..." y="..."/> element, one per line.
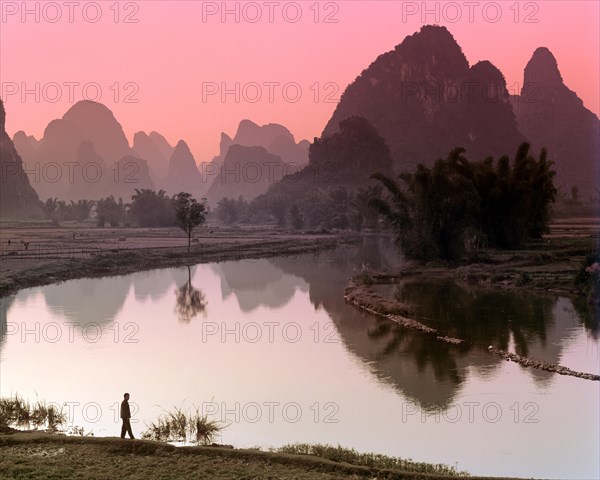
<point x="47" y="453"/>
<point x="177" y="425"/>
<point x="42" y="456"/>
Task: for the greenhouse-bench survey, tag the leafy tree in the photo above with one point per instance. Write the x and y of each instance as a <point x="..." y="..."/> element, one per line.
<point x="314" y="206"/>
<point x="431" y="213"/>
<point x="277" y="206"/>
<point x="360" y="214"/>
<point x="575" y="196"/>
<point x="435" y="207"/>
<point x="111" y="211"/>
<point x="189" y="214"/>
<point x="323" y="191"/>
<point x="542" y="194"/>
<point x="344" y="157"/>
<point x="227" y="211"/>
<point x="296" y="219"/>
<point x="152" y="209"/>
<point x="50" y="208"/>
<point x="231" y="211"/>
<point x="515" y="199"/>
<point x="81" y="210"/>
<point x="270" y="206"/>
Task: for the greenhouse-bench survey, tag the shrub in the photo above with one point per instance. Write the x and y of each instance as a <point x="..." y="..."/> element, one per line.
<point x="523" y="279"/>
<point x="180" y="426"/>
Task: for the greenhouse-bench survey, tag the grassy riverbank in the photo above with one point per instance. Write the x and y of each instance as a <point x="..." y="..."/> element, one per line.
<point x="78" y="251"/>
<point x="39" y="456"/>
<point x="549" y="265"/>
<point x="55" y="255"/>
<point x="553" y="265"/>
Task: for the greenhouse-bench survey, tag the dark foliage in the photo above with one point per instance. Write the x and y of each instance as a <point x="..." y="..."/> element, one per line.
<point x="434" y="208"/>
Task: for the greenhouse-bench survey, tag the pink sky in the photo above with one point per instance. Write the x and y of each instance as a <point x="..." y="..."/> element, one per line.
<point x="172" y="50"/>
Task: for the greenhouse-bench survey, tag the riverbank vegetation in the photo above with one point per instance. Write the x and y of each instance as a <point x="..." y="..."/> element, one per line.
<point x="177" y="425"/>
<point x="374" y="460"/>
<point x="16" y="412"/>
<point x="187" y="427"/>
<point x="458" y="206"/>
<point x="38" y="454"/>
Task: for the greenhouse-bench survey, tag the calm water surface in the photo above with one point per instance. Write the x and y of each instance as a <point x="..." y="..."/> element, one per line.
<point x="273" y="350"/>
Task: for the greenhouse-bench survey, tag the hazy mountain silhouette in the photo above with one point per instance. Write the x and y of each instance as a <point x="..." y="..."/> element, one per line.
<point x="97" y="123"/>
<point x="290" y="152"/>
<point x="119" y="179"/>
<point x="183" y="174"/>
<point x="350" y="155"/>
<point x="152" y="162"/>
<point x="275" y="138"/>
<point x="17" y="197"/>
<point x="224" y="144"/>
<point x="246" y="172"/>
<point x="250" y="134"/>
<point x="92" y="190"/>
<point x="424" y="100"/>
<point x="163" y="145"/>
<point x="552" y="116"/>
<point x="89" y="136"/>
<point x="146" y="148"/>
<point x="47" y="167"/>
<point x="84" y="121"/>
<point x="346" y="158"/>
<point x="25" y="144"/>
<point x="133" y="173"/>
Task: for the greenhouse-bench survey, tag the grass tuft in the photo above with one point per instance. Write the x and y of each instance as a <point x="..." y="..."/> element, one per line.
<point x="18" y="412"/>
<point x="373" y="460"/>
<point x="180" y="426"/>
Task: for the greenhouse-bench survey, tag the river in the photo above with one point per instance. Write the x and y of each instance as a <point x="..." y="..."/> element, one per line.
<point x="270" y="347"/>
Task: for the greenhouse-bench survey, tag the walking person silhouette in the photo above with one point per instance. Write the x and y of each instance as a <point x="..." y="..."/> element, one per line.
<point x="126" y="416"/>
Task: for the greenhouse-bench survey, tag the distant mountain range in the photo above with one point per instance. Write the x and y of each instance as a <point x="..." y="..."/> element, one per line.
<point x="422" y="98"/>
<point x="253" y="160"/>
<point x="155" y="149"/>
<point x="274" y="138"/>
<point x="183" y="174"/>
<point x="247" y="172"/>
<point x="85" y="154"/>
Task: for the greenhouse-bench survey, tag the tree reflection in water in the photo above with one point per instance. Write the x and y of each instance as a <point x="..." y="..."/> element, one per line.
<point x="190" y="301"/>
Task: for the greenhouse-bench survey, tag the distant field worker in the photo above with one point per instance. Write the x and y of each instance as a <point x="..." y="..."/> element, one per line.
<point x="126" y="416"/>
